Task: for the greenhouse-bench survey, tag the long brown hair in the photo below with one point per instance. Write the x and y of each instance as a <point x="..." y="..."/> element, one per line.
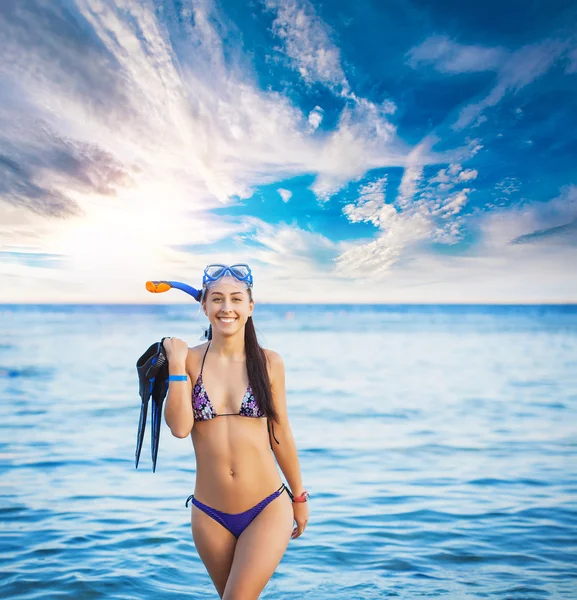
<point x="256" y="366"/>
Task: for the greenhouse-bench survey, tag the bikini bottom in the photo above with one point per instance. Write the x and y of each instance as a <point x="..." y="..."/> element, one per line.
<point x="238" y="522"/>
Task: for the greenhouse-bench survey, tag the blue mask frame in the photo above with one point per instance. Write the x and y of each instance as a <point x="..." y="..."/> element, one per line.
<point x="227" y="270"/>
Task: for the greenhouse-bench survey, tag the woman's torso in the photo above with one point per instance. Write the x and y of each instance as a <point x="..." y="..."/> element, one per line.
<point x="235" y="467"/>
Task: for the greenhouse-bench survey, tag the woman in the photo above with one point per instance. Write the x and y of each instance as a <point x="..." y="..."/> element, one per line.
<point x="241" y="519"/>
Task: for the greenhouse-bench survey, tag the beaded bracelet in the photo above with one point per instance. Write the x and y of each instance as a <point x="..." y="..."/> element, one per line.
<point x="177" y="377"/>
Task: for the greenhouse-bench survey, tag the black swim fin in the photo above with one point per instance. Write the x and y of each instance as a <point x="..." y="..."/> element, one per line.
<point x="159" y="391"/>
<point x="152" y="365"/>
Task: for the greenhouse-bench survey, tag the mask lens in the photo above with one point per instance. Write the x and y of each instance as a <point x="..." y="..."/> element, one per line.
<point x="215" y="271"/>
<point x="239" y="271"/>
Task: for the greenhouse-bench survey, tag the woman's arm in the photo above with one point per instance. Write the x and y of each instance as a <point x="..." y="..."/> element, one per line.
<point x="178" y="408"/>
<point x="286" y="451"/>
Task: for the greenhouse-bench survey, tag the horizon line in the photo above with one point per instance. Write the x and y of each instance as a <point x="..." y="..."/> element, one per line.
<point x="316" y="303"/>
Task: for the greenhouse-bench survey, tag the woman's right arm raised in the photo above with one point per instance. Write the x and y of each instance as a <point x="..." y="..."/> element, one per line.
<point x="178" y="409"/>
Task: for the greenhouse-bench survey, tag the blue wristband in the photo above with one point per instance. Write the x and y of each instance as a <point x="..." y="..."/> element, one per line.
<point x="177" y="378"/>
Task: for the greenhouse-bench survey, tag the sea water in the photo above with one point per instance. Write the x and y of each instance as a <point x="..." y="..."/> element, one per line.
<point x="438" y="444"/>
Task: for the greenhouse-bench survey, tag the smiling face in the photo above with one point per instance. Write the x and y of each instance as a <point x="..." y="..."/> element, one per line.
<point x="228" y="305"/>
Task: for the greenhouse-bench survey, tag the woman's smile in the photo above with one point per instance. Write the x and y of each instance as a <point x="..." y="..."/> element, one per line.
<point x="227" y="319"/>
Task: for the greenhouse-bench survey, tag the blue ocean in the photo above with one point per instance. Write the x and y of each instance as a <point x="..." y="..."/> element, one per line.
<point x="438" y="443"/>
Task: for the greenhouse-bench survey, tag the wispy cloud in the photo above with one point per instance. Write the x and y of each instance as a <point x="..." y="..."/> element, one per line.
<point x="292" y="261"/>
<point x="365" y="136"/>
<point x="551" y="221"/>
<point x="288" y="244"/>
<point x="562" y="234"/>
<point x="307" y="43"/>
<point x="520" y="69"/>
<point x="507" y="186"/>
<point x="447" y="56"/>
<point x="514" y="69"/>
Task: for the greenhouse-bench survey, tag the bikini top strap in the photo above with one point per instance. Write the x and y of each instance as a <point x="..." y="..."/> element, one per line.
<point x="204" y="357"/>
<point x="270" y="424"/>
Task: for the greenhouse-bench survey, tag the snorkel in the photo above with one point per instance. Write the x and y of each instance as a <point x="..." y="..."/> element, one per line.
<point x="157" y="287"/>
<point x="212" y="273"/>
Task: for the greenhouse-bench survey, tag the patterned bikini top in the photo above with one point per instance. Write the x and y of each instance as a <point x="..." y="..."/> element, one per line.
<point x="204" y="410"/>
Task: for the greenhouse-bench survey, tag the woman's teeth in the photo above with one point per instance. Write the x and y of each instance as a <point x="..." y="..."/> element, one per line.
<point x="227" y="320"/>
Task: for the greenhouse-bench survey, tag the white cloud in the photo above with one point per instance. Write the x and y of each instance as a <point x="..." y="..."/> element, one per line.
<point x="521" y="68"/>
<point x="452" y="205"/>
<point x="480" y="120"/>
<point x="370" y="206"/>
<point x="364" y="135"/>
<point x="503" y="226"/>
<point x="523" y="255"/>
<point x="307" y="42"/>
<point x="447" y="56"/>
<point x="413" y="172"/>
<point x="468" y="175"/>
<point x="508" y="186"/>
<point x="292" y="264"/>
<point x="452" y="175"/>
<point x="315" y="118"/>
<point x="364" y="139"/>
<point x="295" y="265"/>
<point x="409" y="184"/>
<point x="286" y="195"/>
<point x="514" y="69"/>
<point x="376" y="258"/>
<point x="421" y="212"/>
<point x="287" y="243"/>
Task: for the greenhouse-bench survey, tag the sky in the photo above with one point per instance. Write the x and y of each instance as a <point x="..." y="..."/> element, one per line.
<point x="349" y="152"/>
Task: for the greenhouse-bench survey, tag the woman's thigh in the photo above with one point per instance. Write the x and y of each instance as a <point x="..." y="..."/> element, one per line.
<point x="259" y="550"/>
<point x="215" y="545"/>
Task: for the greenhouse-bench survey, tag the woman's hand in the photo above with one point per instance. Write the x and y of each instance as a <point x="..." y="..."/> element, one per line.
<point x="176" y="350"/>
<point x="301" y="516"/>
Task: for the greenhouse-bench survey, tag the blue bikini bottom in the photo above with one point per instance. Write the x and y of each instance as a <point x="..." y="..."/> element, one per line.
<point x="238" y="522"/>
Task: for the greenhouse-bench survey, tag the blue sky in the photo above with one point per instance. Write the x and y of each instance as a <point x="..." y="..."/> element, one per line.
<point x="349" y="152"/>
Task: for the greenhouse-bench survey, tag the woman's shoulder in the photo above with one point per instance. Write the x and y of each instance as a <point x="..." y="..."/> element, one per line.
<point x="194" y="359"/>
<point x="274" y="360"/>
<point x="275" y="368"/>
<point x="198" y="349"/>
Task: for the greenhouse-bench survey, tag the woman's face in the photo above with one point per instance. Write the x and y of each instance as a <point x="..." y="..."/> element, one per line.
<point x="228" y="306"/>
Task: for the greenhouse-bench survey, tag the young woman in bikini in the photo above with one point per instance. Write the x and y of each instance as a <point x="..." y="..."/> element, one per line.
<point x="241" y="520"/>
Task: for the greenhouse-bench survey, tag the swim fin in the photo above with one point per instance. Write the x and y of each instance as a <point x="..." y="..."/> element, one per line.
<point x="152" y="369"/>
<point x="159" y="391"/>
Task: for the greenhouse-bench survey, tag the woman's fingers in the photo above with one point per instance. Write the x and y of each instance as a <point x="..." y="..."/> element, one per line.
<point x="176" y="349"/>
<point x="298" y="530"/>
